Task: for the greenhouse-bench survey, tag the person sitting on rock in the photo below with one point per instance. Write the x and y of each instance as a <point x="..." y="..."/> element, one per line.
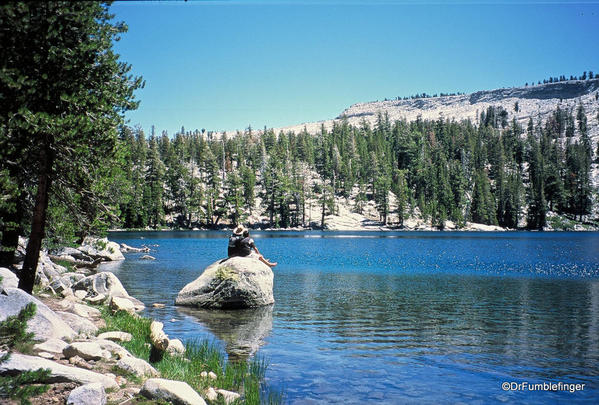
<point x="234" y="248"/>
<point x="247" y="245"/>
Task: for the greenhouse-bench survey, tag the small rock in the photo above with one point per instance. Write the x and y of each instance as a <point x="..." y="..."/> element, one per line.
<point x="117" y="350"/>
<point x="229" y="396"/>
<point x="177" y="392"/>
<point x="204" y="374"/>
<point x="88" y="394"/>
<point x="122" y="304"/>
<point x="81" y="294"/>
<point x="81" y="325"/>
<point x="173" y="320"/>
<point x="79" y="362"/>
<point x="46" y="355"/>
<point x="137" y="304"/>
<point x="96" y="300"/>
<point x="136" y="366"/>
<point x="116" y="336"/>
<point x="54" y="346"/>
<point x="86" y="311"/>
<point x="175" y="347"/>
<point x="120" y="380"/>
<point x="147" y="257"/>
<point x="85" y="350"/>
<point x="158" y="305"/>
<point x="211" y="394"/>
<point x="130" y="249"/>
<point x="212" y="376"/>
<point x="62" y="287"/>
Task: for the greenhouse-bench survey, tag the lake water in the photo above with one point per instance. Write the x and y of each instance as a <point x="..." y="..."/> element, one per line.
<point x="393" y="317"/>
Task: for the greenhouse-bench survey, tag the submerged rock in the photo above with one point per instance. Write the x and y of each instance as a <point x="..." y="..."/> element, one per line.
<point x="237" y="282"/>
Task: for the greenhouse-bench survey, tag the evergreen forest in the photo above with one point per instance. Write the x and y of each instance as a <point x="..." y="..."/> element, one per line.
<point x="496" y="173"/>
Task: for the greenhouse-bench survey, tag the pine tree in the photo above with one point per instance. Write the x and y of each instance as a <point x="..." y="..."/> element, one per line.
<point x="67" y="93"/>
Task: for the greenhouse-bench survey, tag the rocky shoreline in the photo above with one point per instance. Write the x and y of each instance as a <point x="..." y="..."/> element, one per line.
<point x="87" y="366"/>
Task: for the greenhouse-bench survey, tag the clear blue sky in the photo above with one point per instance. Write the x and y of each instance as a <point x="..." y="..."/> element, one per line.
<point x="224" y="65"/>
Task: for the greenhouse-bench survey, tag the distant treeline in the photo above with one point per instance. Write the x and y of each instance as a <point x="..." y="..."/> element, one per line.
<point x="493" y="173"/>
<point x="562" y="78"/>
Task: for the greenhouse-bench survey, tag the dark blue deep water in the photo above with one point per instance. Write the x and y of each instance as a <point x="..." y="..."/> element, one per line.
<point x="392" y="318"/>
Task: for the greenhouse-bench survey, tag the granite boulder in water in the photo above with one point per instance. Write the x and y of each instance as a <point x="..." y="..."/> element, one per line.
<point x="237" y="282"/>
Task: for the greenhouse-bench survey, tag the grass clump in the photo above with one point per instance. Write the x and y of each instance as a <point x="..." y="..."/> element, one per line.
<point x="244" y="377"/>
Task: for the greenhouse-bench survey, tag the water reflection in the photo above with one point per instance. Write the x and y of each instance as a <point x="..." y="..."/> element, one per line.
<point x="243" y="330"/>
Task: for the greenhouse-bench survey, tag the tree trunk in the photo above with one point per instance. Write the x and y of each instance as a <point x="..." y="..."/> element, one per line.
<point x="38" y="222"/>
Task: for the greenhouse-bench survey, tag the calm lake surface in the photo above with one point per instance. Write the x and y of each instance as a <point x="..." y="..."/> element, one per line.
<point x="394" y="317"/>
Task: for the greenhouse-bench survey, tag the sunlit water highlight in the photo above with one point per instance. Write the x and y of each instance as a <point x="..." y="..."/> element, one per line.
<point x="397" y="317"/>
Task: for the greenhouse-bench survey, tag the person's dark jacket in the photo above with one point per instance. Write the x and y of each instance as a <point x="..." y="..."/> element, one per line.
<point x="245" y="246"/>
<point x="234" y="248"/>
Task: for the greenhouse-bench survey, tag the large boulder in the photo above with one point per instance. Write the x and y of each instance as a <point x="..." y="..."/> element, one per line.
<point x="18" y="363"/>
<point x="237" y="282"/>
<point x="104" y="283"/>
<point x="44" y="325"/>
<point x="101" y="248"/>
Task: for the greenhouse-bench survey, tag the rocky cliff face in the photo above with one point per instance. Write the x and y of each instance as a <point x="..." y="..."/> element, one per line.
<point x="534" y="102"/>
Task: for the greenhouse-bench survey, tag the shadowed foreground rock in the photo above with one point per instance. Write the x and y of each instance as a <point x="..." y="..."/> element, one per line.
<point x="44" y="325"/>
<point x="18" y="363"/>
<point x="238" y="282"/>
